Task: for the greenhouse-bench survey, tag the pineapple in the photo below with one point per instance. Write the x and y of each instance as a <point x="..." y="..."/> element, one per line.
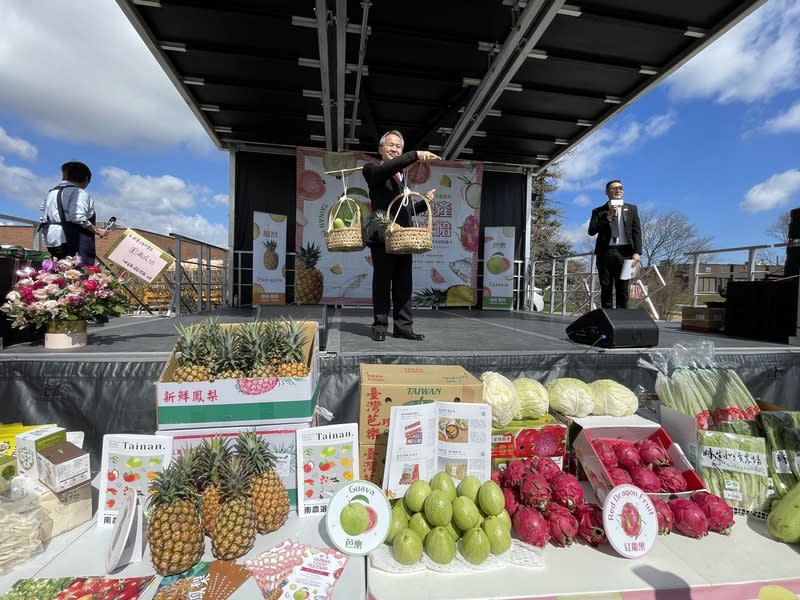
<point x="210" y="333"/>
<point x="254" y="340"/>
<point x="269" y="496"/>
<point x="191" y="362"/>
<point x="430" y="297"/>
<point x="213" y="454"/>
<point x="228" y="360"/>
<point x="307" y="277"/>
<point x="174" y="532"/>
<point x="234" y="532"/>
<point x="270" y="256"/>
<point x="293" y="360"/>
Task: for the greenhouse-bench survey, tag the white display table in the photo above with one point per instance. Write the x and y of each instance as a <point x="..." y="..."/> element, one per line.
<point x="82" y="551"/>
<point x="716" y="567"/>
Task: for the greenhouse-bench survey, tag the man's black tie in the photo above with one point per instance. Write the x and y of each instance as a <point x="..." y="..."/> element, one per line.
<point x="614" y="226"/>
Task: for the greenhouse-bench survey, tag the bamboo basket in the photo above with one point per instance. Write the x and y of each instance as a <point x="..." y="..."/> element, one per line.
<point x="348" y="239"/>
<point x="409" y="240"/>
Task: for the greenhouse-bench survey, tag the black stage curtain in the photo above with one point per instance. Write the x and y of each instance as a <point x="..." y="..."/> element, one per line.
<point x="266" y="183"/>
<point x="503" y="204"/>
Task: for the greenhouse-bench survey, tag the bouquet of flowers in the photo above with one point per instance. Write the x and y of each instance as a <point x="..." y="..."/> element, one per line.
<point x="64" y="290"/>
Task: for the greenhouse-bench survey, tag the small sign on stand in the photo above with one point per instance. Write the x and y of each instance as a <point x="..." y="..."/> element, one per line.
<point x="630" y="521"/>
<point x="127" y="539"/>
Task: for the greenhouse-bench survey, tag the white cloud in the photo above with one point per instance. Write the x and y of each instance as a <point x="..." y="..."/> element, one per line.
<point x="24" y="186"/>
<point x="757" y="59"/>
<point x="578" y="237"/>
<point x="15" y="145"/>
<point x="788" y="121"/>
<point x="581" y="200"/>
<point x="772" y="193"/>
<point x="588" y="158"/>
<point x="98" y="83"/>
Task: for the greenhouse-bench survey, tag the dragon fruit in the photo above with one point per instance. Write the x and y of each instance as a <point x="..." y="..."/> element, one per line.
<point x="590" y="523"/>
<point x="630" y="520"/>
<point x="688" y="517"/>
<point x="619" y="476"/>
<point x="530" y="526"/>
<point x="627" y="456"/>
<point x="512" y="500"/>
<point x="497" y="477"/>
<point x="645" y="479"/>
<point x="566" y="490"/>
<point x="606" y="454"/>
<point x="672" y="480"/>
<point x="664" y="515"/>
<point x="563" y="525"/>
<point x="534" y="490"/>
<point x="652" y="453"/>
<point x="515" y="471"/>
<point x="546" y="467"/>
<point x="717" y="510"/>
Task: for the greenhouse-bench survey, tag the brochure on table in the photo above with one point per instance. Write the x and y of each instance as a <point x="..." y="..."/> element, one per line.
<point x="439" y="436"/>
<point x="129" y="464"/>
<point x="327" y="458"/>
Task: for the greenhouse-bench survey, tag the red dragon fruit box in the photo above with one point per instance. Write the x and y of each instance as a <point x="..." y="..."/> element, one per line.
<point x="526" y="438"/>
<point x="644" y="456"/>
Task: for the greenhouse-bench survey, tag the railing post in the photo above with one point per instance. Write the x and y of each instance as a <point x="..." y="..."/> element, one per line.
<point x="564" y="286"/>
<point x="175" y="303"/>
<point x="751" y="264"/>
<point x="552" y="284"/>
<point x="592" y="289"/>
<point x="696" y="279"/>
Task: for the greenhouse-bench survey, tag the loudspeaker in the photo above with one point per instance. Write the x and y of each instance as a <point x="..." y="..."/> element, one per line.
<point x="792" y="265"/>
<point x="614" y="328"/>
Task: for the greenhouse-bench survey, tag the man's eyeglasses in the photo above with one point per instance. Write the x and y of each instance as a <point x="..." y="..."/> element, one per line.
<point x="615" y="189"/>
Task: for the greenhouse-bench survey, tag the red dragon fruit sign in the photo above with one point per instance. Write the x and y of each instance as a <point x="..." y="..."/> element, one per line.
<point x="630" y="521"/>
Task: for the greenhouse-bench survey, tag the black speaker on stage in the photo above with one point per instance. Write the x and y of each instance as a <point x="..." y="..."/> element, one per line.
<point x="614" y="328"/>
<point x="792" y="264"/>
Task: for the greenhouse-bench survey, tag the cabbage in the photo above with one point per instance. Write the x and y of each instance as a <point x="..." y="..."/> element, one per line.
<point x="532" y="397"/>
<point x="614" y="399"/>
<point x="571" y="397"/>
<point x="502" y="396"/>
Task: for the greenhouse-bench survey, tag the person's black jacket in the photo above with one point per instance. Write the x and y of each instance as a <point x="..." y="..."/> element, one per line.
<point x="384" y="187"/>
<point x="600" y="225"/>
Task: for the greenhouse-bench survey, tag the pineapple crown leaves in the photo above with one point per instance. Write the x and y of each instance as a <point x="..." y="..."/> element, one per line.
<point x="235" y="479"/>
<point x="255" y="452"/>
<point x="176" y="482"/>
<point x="294" y="342"/>
<point x="308" y="256"/>
<point x="271" y="245"/>
<point x="213" y="454"/>
<point x="430" y="297"/>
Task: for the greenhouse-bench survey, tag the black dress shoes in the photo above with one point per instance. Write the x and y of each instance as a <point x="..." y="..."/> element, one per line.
<point x="379" y="336"/>
<point x="409" y="335"/>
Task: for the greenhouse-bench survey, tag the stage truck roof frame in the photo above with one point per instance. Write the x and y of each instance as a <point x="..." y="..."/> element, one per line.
<point x="512" y="83"/>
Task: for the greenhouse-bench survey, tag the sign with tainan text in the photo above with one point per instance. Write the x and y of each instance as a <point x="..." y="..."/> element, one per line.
<point x="138" y="256"/>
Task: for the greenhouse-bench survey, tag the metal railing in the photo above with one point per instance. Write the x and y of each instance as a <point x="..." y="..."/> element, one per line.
<point x="201" y="286"/>
<point x="36" y="240"/>
<point x="752" y="269"/>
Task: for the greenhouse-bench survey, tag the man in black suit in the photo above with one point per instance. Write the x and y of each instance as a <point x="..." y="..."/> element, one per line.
<point x="619" y="238"/>
<point x="391" y="273"/>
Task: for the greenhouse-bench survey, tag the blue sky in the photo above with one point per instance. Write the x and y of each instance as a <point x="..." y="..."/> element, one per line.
<point x="719" y="140"/>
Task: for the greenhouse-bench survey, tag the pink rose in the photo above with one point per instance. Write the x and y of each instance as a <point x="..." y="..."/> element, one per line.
<point x="92" y="268"/>
<point x="90" y="285"/>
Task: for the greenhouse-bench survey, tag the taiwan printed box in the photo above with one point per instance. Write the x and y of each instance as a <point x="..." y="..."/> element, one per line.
<point x="385" y="386"/>
<point x="530" y="437"/>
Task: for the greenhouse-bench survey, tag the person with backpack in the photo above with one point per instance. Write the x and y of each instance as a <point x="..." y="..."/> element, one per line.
<point x="68" y="216"/>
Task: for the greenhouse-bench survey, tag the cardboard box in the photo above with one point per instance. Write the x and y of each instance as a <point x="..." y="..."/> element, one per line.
<point x="65" y="510"/>
<point x="699" y="318"/>
<point x="63" y="466"/>
<point x="281" y="439"/>
<point x="525" y="438"/>
<point x="372" y="462"/>
<point x="384" y="386"/>
<point x="598" y="476"/>
<point x="239" y="402"/>
<point x="30" y="443"/>
<point x="8" y="470"/>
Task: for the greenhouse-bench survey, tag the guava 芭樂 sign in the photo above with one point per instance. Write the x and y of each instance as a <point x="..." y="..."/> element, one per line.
<point x="498" y="268"/>
<point x="139" y="256"/>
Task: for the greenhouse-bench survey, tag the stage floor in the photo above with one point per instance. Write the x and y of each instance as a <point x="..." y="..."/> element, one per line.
<point x="345" y="331"/>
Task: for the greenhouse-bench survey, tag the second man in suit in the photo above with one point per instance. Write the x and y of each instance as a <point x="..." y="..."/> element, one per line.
<point x="619" y="238"/>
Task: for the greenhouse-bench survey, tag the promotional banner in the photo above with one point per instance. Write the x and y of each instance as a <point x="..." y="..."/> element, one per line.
<point x="445" y="276"/>
<point x="269" y="258"/>
<point x="498" y="268"/>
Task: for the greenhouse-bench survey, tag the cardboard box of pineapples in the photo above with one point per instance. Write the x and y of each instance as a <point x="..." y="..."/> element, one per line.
<point x="240" y="374"/>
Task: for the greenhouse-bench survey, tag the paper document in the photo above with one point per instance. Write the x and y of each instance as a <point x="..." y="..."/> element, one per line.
<point x="628" y="269"/>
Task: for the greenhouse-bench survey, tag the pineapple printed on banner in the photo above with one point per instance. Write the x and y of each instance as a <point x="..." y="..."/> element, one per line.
<point x="269" y="249"/>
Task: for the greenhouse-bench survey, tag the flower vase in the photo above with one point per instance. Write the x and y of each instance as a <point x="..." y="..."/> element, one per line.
<point x="65" y="335"/>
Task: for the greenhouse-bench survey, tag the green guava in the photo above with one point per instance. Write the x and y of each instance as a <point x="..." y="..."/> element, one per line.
<point x="475" y="546"/>
<point x="499" y="536"/>
<point x="491" y="499"/>
<point x="440" y="546"/>
<point x="407" y="547"/>
<point x="399" y="522"/>
<point x="420" y="525"/>
<point x="438" y="508"/>
<point x="354" y="518"/>
<point x="416" y="494"/>
<point x="442" y="481"/>
<point x="469" y="487"/>
<point x="465" y="513"/>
